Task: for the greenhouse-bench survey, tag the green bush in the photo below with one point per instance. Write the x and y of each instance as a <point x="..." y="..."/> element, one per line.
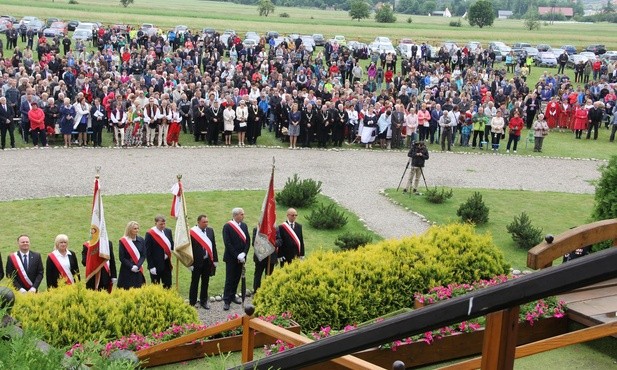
<point x="350" y="287"/>
<point x="299" y="193"/>
<point x="351" y="240"/>
<point x="473" y="210"/>
<point x="606" y="192"/>
<point x="327" y="217"/>
<point x="438" y="196"/>
<point x="385" y="14"/>
<point x="524" y="234"/>
<point x="284" y="15"/>
<point x="72" y="313"/>
<point x="409" y="20"/>
<point x="456" y="23"/>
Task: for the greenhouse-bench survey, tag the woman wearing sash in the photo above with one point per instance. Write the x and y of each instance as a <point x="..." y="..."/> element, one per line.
<point x="61" y="263"/>
<point x="132" y="253"/>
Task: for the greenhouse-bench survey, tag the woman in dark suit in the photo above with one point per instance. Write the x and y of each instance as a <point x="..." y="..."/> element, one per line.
<point x="61" y="263"/>
<point x="132" y="253"/>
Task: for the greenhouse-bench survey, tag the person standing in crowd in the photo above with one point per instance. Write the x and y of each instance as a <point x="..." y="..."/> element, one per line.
<point x="205" y="261"/>
<point x="383" y="126"/>
<point x="295" y="116"/>
<point x="497" y="130"/>
<point x="424" y="118"/>
<point x="289" y="239"/>
<point x="67" y="116"/>
<point x="164" y="119"/>
<point x="119" y="119"/>
<point x="215" y="122"/>
<point x="369" y="127"/>
<point x="229" y="115"/>
<point x="308" y="123"/>
<point x="6" y="124"/>
<point x="25" y="266"/>
<point x="595" y="115"/>
<point x="418" y="155"/>
<point x="36" y="117"/>
<point x="479" y="120"/>
<point x="151" y="112"/>
<point x="159" y="244"/>
<point x="580" y="120"/>
<point x="237" y="241"/>
<point x="398" y="120"/>
<point x="242" y="116"/>
<point x="132" y="254"/>
<point x="61" y="263"/>
<point x="24" y="109"/>
<point x="411" y="123"/>
<point x="174" y="126"/>
<point x="82" y="119"/>
<point x="540" y="130"/>
<point x="515" y="127"/>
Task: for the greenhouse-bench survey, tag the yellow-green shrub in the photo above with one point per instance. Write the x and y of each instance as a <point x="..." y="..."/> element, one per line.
<point x="72" y="313"/>
<point x="340" y="288"/>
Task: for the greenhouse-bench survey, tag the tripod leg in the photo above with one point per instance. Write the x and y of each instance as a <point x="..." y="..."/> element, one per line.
<point x="402" y="177"/>
<point x="423" y="178"/>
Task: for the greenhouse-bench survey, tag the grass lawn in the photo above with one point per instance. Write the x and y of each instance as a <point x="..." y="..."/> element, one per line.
<point x="553" y="212"/>
<point x="43" y="219"/>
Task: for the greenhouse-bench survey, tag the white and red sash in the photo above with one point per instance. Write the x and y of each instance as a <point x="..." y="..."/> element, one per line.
<point x="237" y="229"/>
<point x="203" y="240"/>
<point x="293" y="235"/>
<point x="132" y="251"/>
<point x="162" y="240"/>
<point x="21" y="271"/>
<point x="64" y="272"/>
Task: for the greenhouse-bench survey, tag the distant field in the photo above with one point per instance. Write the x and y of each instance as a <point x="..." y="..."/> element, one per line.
<point x="242" y="18"/>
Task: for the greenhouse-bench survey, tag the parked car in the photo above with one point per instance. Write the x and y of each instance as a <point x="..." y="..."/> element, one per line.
<point x="82" y="34"/>
<point x="570" y="49"/>
<point x="589" y="55"/>
<point x="340" y="39"/>
<point x="518" y="48"/>
<point x="574" y="59"/>
<point x="49" y="21"/>
<point x="543" y="47"/>
<point x="308" y="43"/>
<point x="224" y="38"/>
<point x="27" y="19"/>
<point x="207" y="31"/>
<point x="500" y="49"/>
<point x="380" y="43"/>
<point x="610" y="56"/>
<point x="180" y="29"/>
<point x="252" y="36"/>
<point x="271" y="34"/>
<point x="545" y="58"/>
<point x="318" y="39"/>
<point x="473" y="45"/>
<point x="36" y="25"/>
<point x="5" y="23"/>
<point x="359" y="49"/>
<point x="249" y="43"/>
<point x="61" y="27"/>
<point x="530" y="51"/>
<point x="597" y="49"/>
<point x="10" y="18"/>
<point x="72" y="25"/>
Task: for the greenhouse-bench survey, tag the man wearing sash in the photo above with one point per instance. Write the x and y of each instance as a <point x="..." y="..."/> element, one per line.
<point x="237" y="241"/>
<point x="25" y="266"/>
<point x="289" y="239"/>
<point x="205" y="260"/>
<point x="61" y="263"/>
<point x="159" y="244"/>
<point x="132" y="253"/>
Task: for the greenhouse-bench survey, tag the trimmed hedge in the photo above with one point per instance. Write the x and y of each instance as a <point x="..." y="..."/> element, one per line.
<point x="350" y="287"/>
<point x="72" y="313"/>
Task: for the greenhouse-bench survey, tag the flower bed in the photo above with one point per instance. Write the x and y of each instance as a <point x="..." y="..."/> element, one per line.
<point x="228" y="341"/>
<point x="538" y="320"/>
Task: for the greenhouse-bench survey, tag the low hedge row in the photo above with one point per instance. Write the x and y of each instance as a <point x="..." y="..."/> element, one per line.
<point x="72" y="313"/>
<point x="341" y="288"/>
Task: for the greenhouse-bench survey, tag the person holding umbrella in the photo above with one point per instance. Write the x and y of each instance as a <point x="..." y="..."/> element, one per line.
<point x="418" y="154"/>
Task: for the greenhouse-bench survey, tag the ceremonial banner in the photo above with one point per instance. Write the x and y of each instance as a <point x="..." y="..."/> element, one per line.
<point x="182" y="249"/>
<point x="266" y="229"/>
<point x="98" y="246"/>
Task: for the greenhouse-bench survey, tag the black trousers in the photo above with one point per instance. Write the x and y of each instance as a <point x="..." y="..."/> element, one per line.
<point x="97" y="133"/>
<point x="11" y="130"/>
<point x="261" y="268"/>
<point x="200" y="274"/>
<point x="593" y="126"/>
<point x="233" y="272"/>
<point x="163" y="277"/>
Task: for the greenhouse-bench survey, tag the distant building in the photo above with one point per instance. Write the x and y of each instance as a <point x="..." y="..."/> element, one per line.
<point x="504" y="14"/>
<point x="566" y="12"/>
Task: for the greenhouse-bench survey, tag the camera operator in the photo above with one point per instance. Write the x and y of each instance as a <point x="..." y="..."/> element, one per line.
<point x="417" y="154"/>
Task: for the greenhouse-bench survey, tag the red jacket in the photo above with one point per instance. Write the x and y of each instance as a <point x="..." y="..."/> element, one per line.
<point x="37" y="119"/>
<point x="516" y="125"/>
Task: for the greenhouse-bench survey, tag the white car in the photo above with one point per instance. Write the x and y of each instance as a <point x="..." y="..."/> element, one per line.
<point x="82" y="34"/>
<point x="405" y="51"/>
<point x="340" y="39"/>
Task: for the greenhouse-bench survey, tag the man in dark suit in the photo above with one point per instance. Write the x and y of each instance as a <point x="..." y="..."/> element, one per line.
<point x="159" y="244"/>
<point x="25" y="266"/>
<point x="205" y="260"/>
<point x="237" y="241"/>
<point x="289" y="239"/>
<point x="6" y="122"/>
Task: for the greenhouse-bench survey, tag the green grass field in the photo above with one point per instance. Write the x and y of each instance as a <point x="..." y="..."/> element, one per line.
<point x="43" y="219"/>
<point x="242" y="18"/>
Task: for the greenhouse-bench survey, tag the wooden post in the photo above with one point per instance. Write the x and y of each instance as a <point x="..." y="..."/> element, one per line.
<point x="248" y="336"/>
<point x="500" y="336"/>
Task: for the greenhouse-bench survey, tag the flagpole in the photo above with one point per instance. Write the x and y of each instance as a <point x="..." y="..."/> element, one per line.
<point x="268" y="268"/>
<point x="179" y="177"/>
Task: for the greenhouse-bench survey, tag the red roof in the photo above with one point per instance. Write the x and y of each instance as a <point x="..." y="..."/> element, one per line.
<point x="543" y="10"/>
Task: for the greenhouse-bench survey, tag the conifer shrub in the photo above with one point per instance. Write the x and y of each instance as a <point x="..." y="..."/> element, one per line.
<point x="72" y="313"/>
<point x="350" y="287"/>
<point x="438" y="195"/>
<point x="351" y="240"/>
<point x="524" y="234"/>
<point x="327" y="217"/>
<point x="299" y="193"/>
<point x="474" y="210"/>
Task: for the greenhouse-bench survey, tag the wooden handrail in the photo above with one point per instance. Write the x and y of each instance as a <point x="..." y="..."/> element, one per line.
<point x="549" y="344"/>
<point x="580" y="272"/>
<point x="207" y="332"/>
<point x="272" y="330"/>
<point x="543" y="254"/>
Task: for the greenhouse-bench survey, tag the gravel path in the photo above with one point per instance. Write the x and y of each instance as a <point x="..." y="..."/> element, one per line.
<point x="351" y="177"/>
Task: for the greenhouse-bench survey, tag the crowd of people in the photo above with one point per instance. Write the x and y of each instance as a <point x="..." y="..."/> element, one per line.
<point x="147" y="88"/>
<point x="154" y="251"/>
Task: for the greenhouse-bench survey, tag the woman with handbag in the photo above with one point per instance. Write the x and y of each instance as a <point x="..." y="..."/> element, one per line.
<point x="242" y="116"/>
<point x="497" y="129"/>
<point x="82" y="118"/>
<point x="229" y="115"/>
